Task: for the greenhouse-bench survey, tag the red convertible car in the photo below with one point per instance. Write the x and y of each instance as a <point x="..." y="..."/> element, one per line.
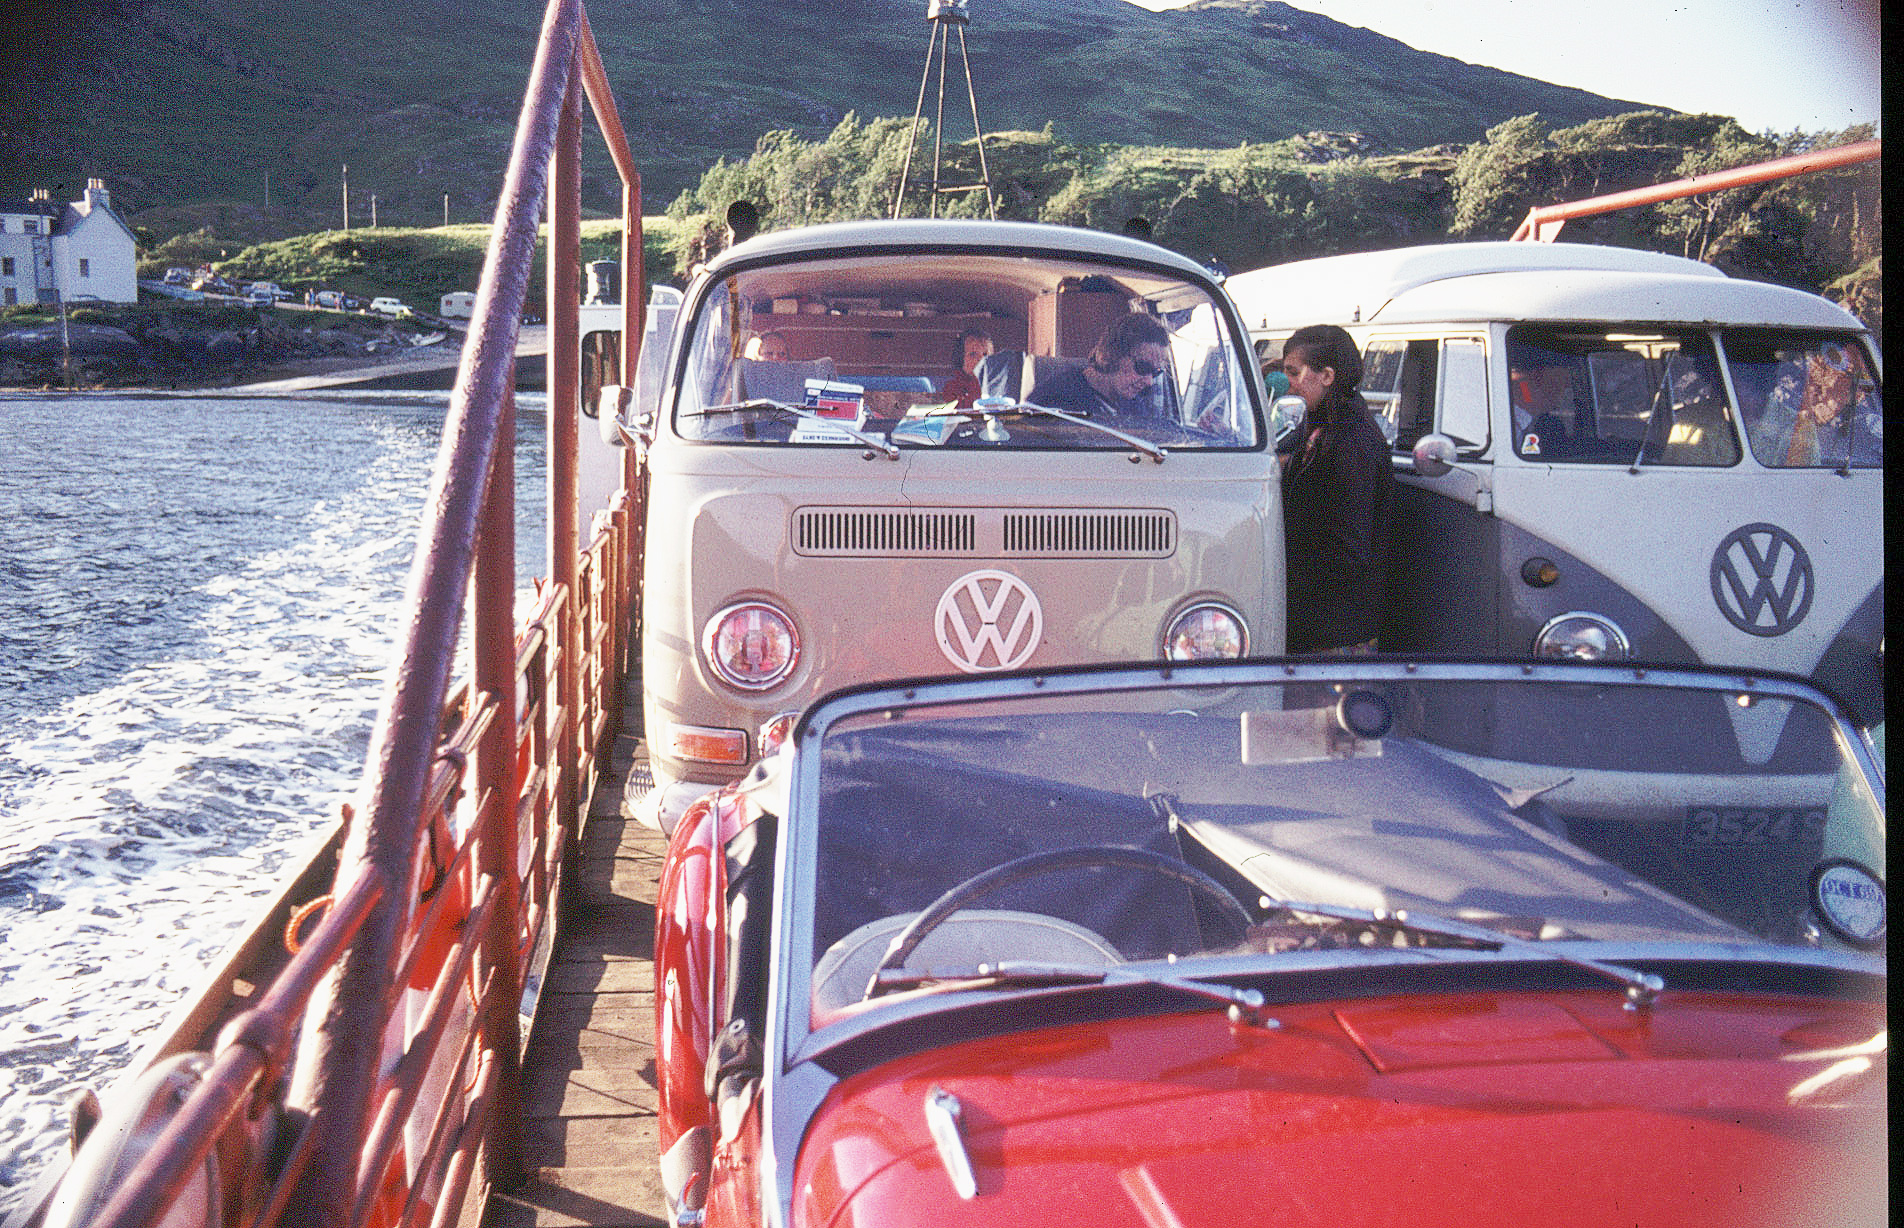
<point x="1333" y="942"/>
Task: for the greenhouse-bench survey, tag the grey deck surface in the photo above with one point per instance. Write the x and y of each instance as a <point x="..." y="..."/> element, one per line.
<point x="589" y="1075"/>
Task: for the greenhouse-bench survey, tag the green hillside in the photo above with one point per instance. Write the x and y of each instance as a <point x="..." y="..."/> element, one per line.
<point x="242" y="114"/>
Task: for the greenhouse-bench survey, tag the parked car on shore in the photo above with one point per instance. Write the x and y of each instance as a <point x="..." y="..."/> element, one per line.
<point x="333" y="299"/>
<point x="212" y="283"/>
<point x="387" y="306"/>
<point x="260" y="296"/>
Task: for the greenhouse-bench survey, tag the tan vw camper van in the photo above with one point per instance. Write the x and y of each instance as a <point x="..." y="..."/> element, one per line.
<point x="873" y="452"/>
<point x="1615" y="454"/>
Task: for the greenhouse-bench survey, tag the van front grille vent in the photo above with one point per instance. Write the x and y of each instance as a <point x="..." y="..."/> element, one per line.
<point x="1091" y="534"/>
<point x="883" y="531"/>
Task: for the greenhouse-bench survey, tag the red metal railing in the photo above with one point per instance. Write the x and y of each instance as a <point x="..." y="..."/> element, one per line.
<point x="388" y="1120"/>
<point x="1543" y="222"/>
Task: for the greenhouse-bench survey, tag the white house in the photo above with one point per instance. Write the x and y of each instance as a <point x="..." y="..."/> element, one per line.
<point x="77" y="251"/>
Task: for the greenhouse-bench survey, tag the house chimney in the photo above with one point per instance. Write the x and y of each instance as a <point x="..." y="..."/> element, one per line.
<point x="42" y="194"/>
<point x="96" y="195"/>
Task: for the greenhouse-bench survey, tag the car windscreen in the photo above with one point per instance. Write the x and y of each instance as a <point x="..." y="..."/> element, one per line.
<point x="963" y="352"/>
<point x="1539" y="810"/>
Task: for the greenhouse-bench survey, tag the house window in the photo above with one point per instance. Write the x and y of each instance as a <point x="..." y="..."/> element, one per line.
<point x="30" y="226"/>
<point x="6" y="266"/>
<point x="85" y="267"/>
<point x="12" y="297"/>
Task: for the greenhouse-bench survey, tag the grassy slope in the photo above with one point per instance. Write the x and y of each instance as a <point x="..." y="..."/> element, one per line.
<point x="200" y="99"/>
<point x="419" y="265"/>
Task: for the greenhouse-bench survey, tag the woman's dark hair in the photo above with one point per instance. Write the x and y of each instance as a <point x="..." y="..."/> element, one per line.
<point x="1325" y="345"/>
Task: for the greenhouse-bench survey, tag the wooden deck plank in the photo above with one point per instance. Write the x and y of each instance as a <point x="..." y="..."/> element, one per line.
<point x="589" y="1100"/>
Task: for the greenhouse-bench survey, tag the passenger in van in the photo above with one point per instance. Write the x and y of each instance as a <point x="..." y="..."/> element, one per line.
<point x="769" y="346"/>
<point x="1116" y="381"/>
<point x="1337" y="492"/>
<point x="1542" y="388"/>
<point x="964" y="387"/>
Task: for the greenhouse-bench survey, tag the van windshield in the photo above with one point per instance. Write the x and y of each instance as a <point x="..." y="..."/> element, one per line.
<point x="1808" y="399"/>
<point x="962" y="351"/>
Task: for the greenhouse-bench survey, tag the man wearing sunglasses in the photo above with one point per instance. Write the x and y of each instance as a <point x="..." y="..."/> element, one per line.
<point x="1118" y="379"/>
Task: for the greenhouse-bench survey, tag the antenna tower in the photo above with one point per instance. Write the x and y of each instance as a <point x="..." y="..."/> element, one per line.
<point x="944" y="16"/>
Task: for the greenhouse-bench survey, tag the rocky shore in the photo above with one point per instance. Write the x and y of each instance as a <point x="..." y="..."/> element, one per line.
<point x="189" y="346"/>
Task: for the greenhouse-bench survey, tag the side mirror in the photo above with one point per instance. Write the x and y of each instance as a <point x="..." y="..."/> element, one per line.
<point x="1286" y="416"/>
<point x="1434" y="455"/>
<point x="610" y="406"/>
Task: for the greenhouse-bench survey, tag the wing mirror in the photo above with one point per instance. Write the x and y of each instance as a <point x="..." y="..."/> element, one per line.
<point x="1286" y="416"/>
<point x="1434" y="455"/>
<point x="620" y="423"/>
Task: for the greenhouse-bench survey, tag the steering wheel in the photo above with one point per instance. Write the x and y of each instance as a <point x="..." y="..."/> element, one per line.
<point x="987" y="881"/>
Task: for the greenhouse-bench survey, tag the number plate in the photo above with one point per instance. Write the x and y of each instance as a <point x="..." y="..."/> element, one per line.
<point x="1754" y="826"/>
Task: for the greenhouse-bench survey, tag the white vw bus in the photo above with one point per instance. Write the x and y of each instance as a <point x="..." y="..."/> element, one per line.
<point x="1611" y="453"/>
<point x="823" y="512"/>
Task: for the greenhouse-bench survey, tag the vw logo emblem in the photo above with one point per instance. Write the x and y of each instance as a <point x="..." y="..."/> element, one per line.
<point x="1761" y="579"/>
<point x="988" y="620"/>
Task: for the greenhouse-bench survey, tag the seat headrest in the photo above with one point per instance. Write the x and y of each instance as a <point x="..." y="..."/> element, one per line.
<point x="785" y="382"/>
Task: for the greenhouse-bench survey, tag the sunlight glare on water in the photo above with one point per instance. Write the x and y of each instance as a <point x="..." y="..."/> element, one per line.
<point x="197" y="603"/>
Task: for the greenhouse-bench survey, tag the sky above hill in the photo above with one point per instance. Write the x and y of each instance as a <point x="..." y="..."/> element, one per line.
<point x="1770" y="64"/>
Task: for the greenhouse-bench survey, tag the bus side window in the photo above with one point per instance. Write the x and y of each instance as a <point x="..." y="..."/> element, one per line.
<point x="1381" y="370"/>
<point x="1464" y="392"/>
<point x="1415" y="394"/>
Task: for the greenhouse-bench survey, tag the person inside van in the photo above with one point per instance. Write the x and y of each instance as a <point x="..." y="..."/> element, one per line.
<point x="963" y="387"/>
<point x="1337" y="493"/>
<point x="1117" y="379"/>
<point x="1542" y="386"/>
<point x="768" y="347"/>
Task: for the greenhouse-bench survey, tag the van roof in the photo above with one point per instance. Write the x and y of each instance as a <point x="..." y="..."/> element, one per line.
<point x="942" y="234"/>
<point x="1471" y="282"/>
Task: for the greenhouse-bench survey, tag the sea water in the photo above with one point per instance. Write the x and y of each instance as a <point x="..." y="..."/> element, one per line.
<point x="198" y="600"/>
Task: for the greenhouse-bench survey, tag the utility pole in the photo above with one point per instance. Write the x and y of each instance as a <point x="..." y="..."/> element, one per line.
<point x="373" y="211"/>
<point x="446" y="208"/>
<point x="347" y="196"/>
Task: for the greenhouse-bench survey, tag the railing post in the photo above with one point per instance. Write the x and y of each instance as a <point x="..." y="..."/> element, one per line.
<point x="493" y="628"/>
<point x="564" y="384"/>
<point x="340" y="1051"/>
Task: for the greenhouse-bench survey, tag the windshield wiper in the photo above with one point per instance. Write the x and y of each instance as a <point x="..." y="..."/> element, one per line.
<point x="1148" y="448"/>
<point x="1245" y="1005"/>
<point x="872" y="441"/>
<point x="1642" y="988"/>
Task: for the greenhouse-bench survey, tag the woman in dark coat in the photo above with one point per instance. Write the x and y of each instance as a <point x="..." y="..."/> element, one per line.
<point x="1337" y="492"/>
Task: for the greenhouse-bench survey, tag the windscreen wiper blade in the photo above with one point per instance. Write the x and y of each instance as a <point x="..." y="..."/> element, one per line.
<point x="1245" y="1005"/>
<point x="885" y="446"/>
<point x="1642" y="988"/>
<point x="1148" y="448"/>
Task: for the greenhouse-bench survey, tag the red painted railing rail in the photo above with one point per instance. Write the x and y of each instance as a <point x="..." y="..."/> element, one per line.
<point x="1543" y="222"/>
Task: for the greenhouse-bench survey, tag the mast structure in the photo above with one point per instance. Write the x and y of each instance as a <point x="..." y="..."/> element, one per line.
<point x="945" y="16"/>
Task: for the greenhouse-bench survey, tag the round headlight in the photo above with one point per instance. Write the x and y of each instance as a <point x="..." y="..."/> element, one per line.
<point x="751" y="645"/>
<point x="1206" y="632"/>
<point x="1582" y="637"/>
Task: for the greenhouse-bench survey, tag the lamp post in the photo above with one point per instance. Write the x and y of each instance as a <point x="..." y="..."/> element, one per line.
<point x="346" y="196"/>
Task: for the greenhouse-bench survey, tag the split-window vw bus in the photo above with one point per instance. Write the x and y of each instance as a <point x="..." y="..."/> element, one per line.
<point x="1610" y="453"/>
<point x="826" y="508"/>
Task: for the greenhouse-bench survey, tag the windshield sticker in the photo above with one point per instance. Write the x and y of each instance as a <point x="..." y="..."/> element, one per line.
<point x="1530" y="444"/>
<point x="1762" y="580"/>
<point x="1850" y="901"/>
<point x="988" y="620"/>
